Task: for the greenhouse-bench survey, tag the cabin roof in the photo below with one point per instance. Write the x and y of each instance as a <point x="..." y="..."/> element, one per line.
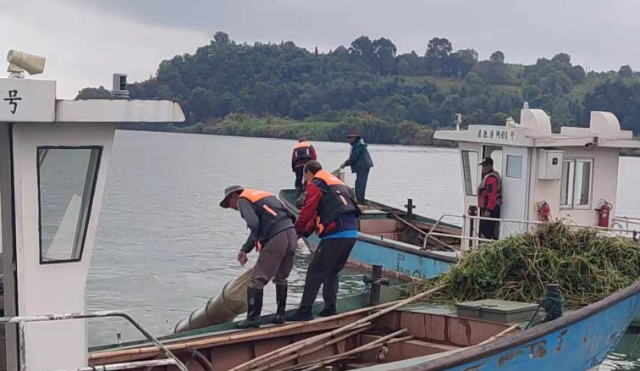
<point x="30" y="101"/>
<point x="534" y="130"/>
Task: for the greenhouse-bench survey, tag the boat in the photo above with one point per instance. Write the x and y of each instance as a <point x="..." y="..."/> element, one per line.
<point x="545" y="176"/>
<point x="394" y="239"/>
<point x="418" y="337"/>
<point x="54" y="159"/>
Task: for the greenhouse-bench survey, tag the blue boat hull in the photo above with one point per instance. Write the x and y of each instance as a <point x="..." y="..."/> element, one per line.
<point x="401" y="259"/>
<point x="413" y="264"/>
<point x="576" y="342"/>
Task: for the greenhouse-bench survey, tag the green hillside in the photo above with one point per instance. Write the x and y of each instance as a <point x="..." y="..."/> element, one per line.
<point x="283" y="91"/>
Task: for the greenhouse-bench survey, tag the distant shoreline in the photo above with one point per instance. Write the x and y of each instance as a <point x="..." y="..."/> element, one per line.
<point x="440" y="144"/>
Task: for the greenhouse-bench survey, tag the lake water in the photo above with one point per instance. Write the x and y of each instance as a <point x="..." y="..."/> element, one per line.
<point x="164" y="246"/>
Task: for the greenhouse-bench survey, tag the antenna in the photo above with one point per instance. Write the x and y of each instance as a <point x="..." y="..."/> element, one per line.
<point x="120" y="86"/>
<point x="458" y="120"/>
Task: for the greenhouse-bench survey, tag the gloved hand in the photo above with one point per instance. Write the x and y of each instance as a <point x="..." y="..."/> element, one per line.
<point x="486" y="214"/>
<point x="242" y="258"/>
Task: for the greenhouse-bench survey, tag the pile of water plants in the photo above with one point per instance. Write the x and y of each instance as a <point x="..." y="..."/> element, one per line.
<point x="587" y="265"/>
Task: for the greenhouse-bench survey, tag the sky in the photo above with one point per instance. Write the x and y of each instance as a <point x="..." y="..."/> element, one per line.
<point x="86" y="41"/>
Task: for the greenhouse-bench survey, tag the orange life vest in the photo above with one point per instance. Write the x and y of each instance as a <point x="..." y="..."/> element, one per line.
<point x="301" y="152"/>
<point x="336" y="200"/>
<point x="270" y="212"/>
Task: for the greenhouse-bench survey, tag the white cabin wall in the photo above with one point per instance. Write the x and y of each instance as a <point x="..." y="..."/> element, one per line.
<point x="53" y="345"/>
<point x="604" y="186"/>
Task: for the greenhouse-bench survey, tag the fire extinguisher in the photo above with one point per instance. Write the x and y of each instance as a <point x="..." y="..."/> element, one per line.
<point x="544" y="211"/>
<point x="603" y="214"/>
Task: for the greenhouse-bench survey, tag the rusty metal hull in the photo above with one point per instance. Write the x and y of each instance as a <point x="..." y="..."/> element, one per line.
<point x="576" y="342"/>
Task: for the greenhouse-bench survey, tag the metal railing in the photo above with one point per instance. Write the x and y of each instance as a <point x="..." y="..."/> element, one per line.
<point x="624" y="222"/>
<point x="171" y="358"/>
<point x="616" y="228"/>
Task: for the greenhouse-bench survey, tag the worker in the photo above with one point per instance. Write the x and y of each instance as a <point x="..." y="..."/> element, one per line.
<point x="331" y="212"/>
<point x="489" y="199"/>
<point x="303" y="152"/>
<point x="274" y="237"/>
<point x="360" y="163"/>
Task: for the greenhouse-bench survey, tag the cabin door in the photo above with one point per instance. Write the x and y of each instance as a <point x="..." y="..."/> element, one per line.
<point x="515" y="190"/>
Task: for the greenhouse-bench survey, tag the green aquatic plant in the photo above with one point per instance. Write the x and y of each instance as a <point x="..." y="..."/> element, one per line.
<point x="586" y="264"/>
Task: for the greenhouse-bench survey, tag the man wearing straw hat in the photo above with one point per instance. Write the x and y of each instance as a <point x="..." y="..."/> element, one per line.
<point x="274" y="237"/>
<point x="360" y="163"/>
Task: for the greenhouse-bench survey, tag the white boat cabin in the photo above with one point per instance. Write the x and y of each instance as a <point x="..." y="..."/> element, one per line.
<point x="574" y="172"/>
<point x="54" y="159"/>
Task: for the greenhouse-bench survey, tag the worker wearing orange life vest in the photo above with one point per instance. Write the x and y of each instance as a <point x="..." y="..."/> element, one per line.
<point x="331" y="212"/>
<point x="275" y="238"/>
<point x="303" y="152"/>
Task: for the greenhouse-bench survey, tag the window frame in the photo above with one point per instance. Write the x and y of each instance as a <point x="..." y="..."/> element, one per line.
<point x="572" y="205"/>
<point x="86" y="206"/>
<point x="521" y="158"/>
<point x="473" y="191"/>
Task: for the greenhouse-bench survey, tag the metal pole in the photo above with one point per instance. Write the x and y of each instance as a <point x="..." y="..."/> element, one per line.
<point x="374" y="296"/>
<point x="127" y="365"/>
<point x="410" y="206"/>
<point x="101" y="314"/>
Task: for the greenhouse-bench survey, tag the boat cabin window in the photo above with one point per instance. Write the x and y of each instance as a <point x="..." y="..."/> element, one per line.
<point x="514" y="166"/>
<point x="577" y="178"/>
<point x="66" y="182"/>
<point x="470" y="169"/>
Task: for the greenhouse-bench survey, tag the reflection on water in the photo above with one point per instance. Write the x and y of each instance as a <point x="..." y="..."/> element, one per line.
<point x="164" y="246"/>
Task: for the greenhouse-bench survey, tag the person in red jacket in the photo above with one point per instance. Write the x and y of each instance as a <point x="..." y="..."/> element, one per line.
<point x="489" y="199"/>
<point x="303" y="152"/>
<point x="330" y="211"/>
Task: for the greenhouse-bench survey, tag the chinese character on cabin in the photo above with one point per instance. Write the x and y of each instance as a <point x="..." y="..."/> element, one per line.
<point x="13" y="100"/>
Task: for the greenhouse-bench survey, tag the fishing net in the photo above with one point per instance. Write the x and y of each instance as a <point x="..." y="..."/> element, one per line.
<point x="222" y="308"/>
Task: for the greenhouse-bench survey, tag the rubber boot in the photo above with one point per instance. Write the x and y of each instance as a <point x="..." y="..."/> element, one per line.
<point x="302" y="314"/>
<point x="329" y="310"/>
<point x="281" y="300"/>
<point x="254" y="304"/>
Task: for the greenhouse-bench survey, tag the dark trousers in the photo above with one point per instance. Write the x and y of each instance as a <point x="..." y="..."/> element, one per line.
<point x="488" y="228"/>
<point x="326" y="263"/>
<point x="299" y="177"/>
<point x="361" y="185"/>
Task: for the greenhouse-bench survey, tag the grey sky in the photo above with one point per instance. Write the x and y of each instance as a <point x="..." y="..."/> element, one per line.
<point x="86" y="40"/>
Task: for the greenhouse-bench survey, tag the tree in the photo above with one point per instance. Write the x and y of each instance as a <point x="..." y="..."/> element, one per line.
<point x="497" y="57"/>
<point x="625" y="72"/>
<point x="437" y="56"/>
<point x="463" y="61"/>
<point x="410" y="64"/>
<point x="563" y="58"/>
<point x="385" y="53"/>
<point x="221" y="38"/>
<point x="420" y="109"/>
<point x="439" y="48"/>
<point x="93" y="93"/>
<point x="577" y="75"/>
<point x="362" y="47"/>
